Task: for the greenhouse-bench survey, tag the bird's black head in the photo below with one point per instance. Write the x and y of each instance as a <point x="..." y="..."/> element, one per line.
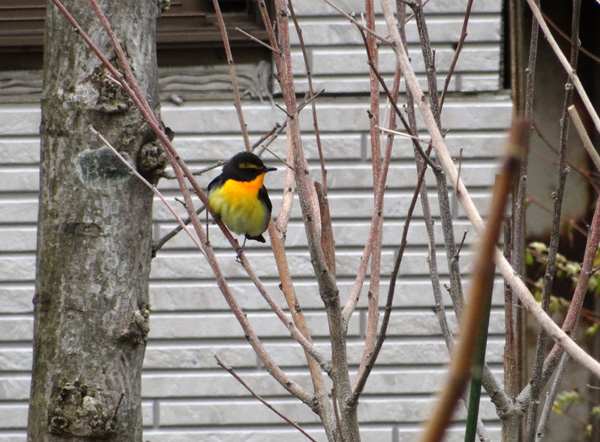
<point x="245" y="166"/>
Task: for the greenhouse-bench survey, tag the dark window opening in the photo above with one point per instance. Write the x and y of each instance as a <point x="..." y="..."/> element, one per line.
<point x="187" y="34"/>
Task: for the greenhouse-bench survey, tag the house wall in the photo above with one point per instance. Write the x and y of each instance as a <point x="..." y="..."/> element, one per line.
<point x="186" y="396"/>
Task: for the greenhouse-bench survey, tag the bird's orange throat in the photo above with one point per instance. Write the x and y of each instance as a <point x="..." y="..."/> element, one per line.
<point x="234" y="191"/>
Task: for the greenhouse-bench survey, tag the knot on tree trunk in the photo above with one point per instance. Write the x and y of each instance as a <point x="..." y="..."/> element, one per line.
<point x="152" y="161"/>
<point x="136" y="331"/>
<point x="81" y="410"/>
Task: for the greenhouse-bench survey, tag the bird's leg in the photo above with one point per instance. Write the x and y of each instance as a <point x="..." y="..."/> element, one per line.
<point x="207" y="237"/>
<point x="239" y="254"/>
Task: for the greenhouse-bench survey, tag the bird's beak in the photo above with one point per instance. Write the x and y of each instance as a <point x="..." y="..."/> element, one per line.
<point x="270" y="169"/>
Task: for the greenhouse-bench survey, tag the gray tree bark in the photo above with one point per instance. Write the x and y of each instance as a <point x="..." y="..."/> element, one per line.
<point x="94" y="234"/>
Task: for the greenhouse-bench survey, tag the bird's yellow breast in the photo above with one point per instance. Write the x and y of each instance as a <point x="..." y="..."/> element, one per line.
<point x="237" y="203"/>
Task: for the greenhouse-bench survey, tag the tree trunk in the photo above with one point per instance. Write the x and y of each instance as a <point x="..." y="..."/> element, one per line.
<point x="94" y="234"/>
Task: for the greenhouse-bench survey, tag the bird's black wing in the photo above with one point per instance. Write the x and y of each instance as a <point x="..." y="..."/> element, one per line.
<point x="263" y="195"/>
<point x="218" y="181"/>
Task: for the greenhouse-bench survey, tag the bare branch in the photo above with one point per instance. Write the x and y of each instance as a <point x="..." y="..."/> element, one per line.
<point x="256" y="40"/>
<point x="157" y="245"/>
<point x="380" y="169"/>
<point x="461" y="41"/>
<point x="547" y="410"/>
<point x="568" y="39"/>
<point x="353" y="21"/>
<point x="361" y="381"/>
<point x="260" y="399"/>
<point x="312" y="94"/>
<point x="327" y="241"/>
<point x="197" y="172"/>
<point x="236" y="91"/>
<point x="587" y="267"/>
<point x="585" y="138"/>
<point x="568" y="222"/>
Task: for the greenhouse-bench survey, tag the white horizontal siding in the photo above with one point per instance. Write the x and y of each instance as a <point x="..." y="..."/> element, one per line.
<point x="187" y="397"/>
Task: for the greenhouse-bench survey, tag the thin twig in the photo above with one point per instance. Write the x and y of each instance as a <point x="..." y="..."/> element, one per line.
<point x="519" y="207"/>
<point x="312" y="94"/>
<point x="568" y="222"/>
<point x="282" y="109"/>
<point x="260" y="399"/>
<point x="402" y="134"/>
<point x="568" y="39"/>
<point x="512" y="422"/>
<point x="452" y="255"/>
<point x="110" y="423"/>
<point x="391" y="97"/>
<point x="461" y="41"/>
<point x="127" y="71"/>
<point x="587" y="266"/>
<point x="462" y="242"/>
<point x="289" y="181"/>
<point x="587" y="174"/>
<point x="547" y="410"/>
<point x="256" y="40"/>
<point x="287" y="287"/>
<point x="421" y="161"/>
<point x="459" y="167"/>
<point x="379" y="188"/>
<point x="355" y="22"/>
<point x="456" y="290"/>
<point x="585" y="138"/>
<point x="441" y="181"/>
<point x="361" y="380"/>
<point x="573" y="313"/>
<point x="236" y="91"/>
<point x="199" y="172"/>
<point x="277" y="235"/>
<point x="157" y="245"/>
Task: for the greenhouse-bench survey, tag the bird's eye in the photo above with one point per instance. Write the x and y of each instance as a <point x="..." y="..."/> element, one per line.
<point x="248" y="166"/>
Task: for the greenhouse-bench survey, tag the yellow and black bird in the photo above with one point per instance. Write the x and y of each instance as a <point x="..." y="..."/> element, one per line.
<point x="239" y="198"/>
